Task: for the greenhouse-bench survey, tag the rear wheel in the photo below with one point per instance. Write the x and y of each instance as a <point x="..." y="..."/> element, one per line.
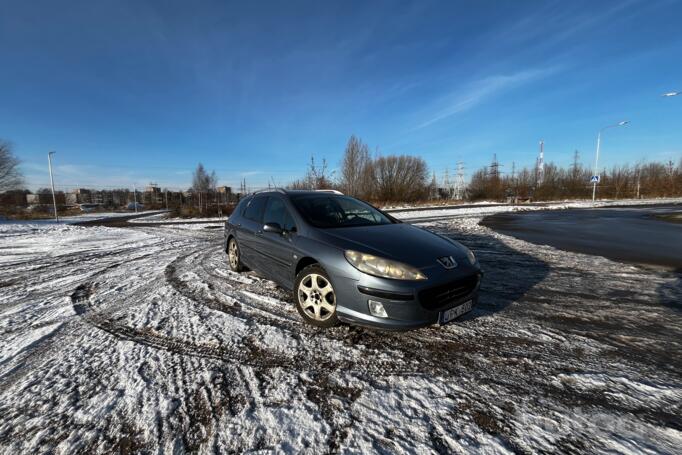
<point x="234" y="256"/>
<point x="315" y="297"/>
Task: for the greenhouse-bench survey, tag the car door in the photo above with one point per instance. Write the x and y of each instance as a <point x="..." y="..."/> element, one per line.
<point x="277" y="249"/>
<point x="248" y="234"/>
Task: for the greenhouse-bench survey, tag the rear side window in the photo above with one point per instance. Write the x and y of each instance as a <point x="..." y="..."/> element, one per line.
<point x="255" y="209"/>
<point x="239" y="209"/>
<point x="277" y="212"/>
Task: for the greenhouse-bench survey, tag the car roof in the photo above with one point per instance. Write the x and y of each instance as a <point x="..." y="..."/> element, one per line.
<point x="296" y="192"/>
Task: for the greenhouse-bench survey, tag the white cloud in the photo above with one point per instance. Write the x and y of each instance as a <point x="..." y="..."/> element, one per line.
<point x="250" y="173"/>
<point x="463" y="100"/>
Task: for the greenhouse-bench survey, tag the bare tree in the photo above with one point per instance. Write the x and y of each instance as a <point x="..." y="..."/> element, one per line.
<point x="202" y="181"/>
<point x="401" y="178"/>
<point x="10" y="176"/>
<point x="316" y="178"/>
<point x="478" y="187"/>
<point x="356" y="173"/>
<point x="620" y="178"/>
<point x="553" y="183"/>
<point x="525" y="182"/>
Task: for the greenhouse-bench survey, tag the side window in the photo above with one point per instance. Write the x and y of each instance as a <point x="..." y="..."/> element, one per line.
<point x="254" y="211"/>
<point x="276" y="212"/>
<point x="239" y="209"/>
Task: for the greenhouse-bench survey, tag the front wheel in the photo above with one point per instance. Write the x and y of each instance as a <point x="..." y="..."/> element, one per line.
<point x="315" y="297"/>
<point x="233" y="256"/>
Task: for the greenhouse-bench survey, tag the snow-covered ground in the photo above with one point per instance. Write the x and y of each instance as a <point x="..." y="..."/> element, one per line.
<point x="141" y="340"/>
<point x="487" y="209"/>
<point x="94" y="216"/>
<point x="165" y="218"/>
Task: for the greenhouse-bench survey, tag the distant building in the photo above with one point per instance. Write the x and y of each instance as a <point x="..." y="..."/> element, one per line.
<point x="45" y="198"/>
<point x="152" y="194"/>
<point x="225" y="194"/>
<point x="120" y="197"/>
<point x="79" y="196"/>
<point x="104" y="197"/>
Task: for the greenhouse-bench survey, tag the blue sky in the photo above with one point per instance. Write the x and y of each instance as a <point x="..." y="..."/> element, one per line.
<point x="130" y="91"/>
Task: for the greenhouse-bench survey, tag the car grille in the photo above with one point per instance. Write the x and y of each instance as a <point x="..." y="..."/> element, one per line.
<point x="440" y="296"/>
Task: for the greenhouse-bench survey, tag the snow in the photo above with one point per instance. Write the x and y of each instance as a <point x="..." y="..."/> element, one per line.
<point x="93" y="216"/>
<point x="487" y="209"/>
<point x="163" y="218"/>
<point x="142" y="340"/>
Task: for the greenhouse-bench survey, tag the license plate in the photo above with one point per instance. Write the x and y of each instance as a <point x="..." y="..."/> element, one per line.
<point x="455" y="312"/>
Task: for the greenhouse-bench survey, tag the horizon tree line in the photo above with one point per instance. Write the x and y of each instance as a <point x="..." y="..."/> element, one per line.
<point x="642" y="180"/>
<point x="406" y="178"/>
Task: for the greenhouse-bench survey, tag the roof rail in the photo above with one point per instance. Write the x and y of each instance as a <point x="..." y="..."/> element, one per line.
<point x="330" y="191"/>
<point x="269" y="190"/>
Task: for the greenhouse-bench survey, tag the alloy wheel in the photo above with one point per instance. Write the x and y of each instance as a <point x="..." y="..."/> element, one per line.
<point x="233" y="252"/>
<point x="316" y="297"/>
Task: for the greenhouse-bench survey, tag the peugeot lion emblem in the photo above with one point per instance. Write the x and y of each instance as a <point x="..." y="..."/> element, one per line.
<point x="448" y="262"/>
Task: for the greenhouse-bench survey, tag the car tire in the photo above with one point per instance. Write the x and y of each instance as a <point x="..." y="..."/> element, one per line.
<point x="315" y="297"/>
<point x="234" y="258"/>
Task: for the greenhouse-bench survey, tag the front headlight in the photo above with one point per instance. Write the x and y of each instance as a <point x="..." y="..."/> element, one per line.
<point x="384" y="268"/>
<point x="471" y="256"/>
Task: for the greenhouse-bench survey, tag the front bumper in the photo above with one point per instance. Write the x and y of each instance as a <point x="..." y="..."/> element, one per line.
<point x="409" y="305"/>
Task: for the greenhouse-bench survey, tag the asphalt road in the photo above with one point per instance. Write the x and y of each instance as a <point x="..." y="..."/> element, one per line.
<point x="642" y="235"/>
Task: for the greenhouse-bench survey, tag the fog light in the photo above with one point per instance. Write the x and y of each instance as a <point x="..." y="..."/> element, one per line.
<point x="377" y="309"/>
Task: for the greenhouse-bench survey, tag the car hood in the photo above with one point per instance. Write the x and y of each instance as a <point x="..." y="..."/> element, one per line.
<point x="401" y="242"/>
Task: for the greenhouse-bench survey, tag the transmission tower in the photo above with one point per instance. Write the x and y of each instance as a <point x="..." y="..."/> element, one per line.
<point x="459" y="183"/>
<point x="576" y="159"/>
<point x="540" y="168"/>
<point x="434" y="187"/>
<point x="494" y="171"/>
<point x="446" y="183"/>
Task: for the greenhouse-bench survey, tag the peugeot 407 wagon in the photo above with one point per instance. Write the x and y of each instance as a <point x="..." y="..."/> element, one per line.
<point x="346" y="261"/>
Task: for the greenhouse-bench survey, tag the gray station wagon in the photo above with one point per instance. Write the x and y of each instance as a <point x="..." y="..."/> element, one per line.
<point x="346" y="261"/>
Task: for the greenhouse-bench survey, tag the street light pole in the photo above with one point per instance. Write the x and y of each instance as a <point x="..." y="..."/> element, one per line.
<point x="596" y="166"/>
<point x="54" y="198"/>
<point x="596" y="157"/>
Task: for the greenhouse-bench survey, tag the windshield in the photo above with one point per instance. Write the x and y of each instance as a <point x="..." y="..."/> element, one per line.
<point x="330" y="211"/>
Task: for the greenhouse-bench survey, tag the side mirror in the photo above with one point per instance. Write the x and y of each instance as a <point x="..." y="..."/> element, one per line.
<point x="275" y="228"/>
